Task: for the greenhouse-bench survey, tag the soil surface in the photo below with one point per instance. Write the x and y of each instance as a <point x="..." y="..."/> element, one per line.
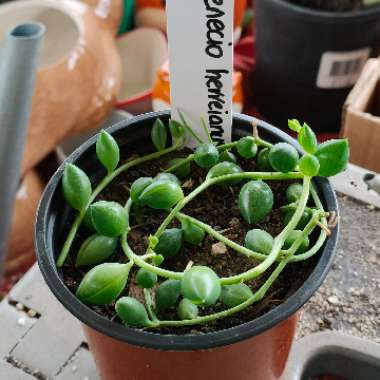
<point x="331" y="5"/>
<point x="349" y="299"/>
<point x="218" y="207"/>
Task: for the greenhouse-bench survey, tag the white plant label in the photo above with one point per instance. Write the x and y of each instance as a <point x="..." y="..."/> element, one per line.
<point x="200" y="34"/>
<point x="341" y="69"/>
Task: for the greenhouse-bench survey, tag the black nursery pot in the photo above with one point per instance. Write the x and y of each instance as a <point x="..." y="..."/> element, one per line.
<point x="308" y="60"/>
<point x="254" y="350"/>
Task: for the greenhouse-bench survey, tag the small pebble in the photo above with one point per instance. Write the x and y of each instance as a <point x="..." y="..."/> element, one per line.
<point x="333" y="300"/>
<point x="74" y="368"/>
<point x="21" y="321"/>
<point x="19" y="306"/>
<point x="218" y="249"/>
<point x="32" y="313"/>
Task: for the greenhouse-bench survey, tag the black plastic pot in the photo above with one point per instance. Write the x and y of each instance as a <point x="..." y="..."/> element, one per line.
<point x="291" y="42"/>
<point x="54" y="215"/>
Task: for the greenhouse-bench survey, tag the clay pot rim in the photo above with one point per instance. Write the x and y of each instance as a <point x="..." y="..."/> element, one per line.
<point x="147" y="339"/>
<point x="328" y="16"/>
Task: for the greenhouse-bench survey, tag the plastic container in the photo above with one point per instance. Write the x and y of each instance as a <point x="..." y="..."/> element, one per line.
<point x="308" y="60"/>
<point x="254" y="350"/>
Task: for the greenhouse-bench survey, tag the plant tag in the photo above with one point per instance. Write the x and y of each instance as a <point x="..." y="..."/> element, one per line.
<point x="341" y="69"/>
<point x="200" y="34"/>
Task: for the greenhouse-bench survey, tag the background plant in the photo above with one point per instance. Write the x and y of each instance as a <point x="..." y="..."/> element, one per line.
<point x="198" y="286"/>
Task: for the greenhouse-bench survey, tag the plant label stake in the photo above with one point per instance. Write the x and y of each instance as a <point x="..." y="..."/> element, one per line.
<point x="200" y="34"/>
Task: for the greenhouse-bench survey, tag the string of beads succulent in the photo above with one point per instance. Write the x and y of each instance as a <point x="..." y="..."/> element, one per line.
<point x="197" y="287"/>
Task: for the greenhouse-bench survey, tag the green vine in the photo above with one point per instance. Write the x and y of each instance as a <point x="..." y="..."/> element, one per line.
<point x="197" y="286"/>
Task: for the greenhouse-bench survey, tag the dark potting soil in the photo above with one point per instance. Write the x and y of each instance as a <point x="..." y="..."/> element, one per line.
<point x="331" y="5"/>
<point x="216" y="206"/>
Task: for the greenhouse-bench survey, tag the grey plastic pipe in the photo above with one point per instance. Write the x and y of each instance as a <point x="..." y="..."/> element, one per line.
<point x="18" y="66"/>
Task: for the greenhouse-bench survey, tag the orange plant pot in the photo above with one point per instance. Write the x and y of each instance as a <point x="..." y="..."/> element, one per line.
<point x="262" y="357"/>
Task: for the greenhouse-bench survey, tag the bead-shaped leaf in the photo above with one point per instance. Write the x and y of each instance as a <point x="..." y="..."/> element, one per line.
<point x="109" y="218"/>
<point x="201" y="285"/>
<point x="182" y="171"/>
<point x="187" y="310"/>
<point x="309" y="165"/>
<point x="76" y="187"/>
<point x="161" y="195"/>
<point x="263" y="163"/>
<point x="146" y="279"/>
<point x="307" y="139"/>
<point x="177" y="131"/>
<point x="225" y="168"/>
<point x="259" y="241"/>
<point x="103" y="284"/>
<point x="159" y="135"/>
<point x="294" y="125"/>
<point x="170" y="242"/>
<point x="247" y="147"/>
<point x="333" y="156"/>
<point x="292" y="237"/>
<point x="283" y="157"/>
<point x="255" y="201"/>
<point x="206" y="155"/>
<point x="132" y="312"/>
<point x="228" y="156"/>
<point x="236" y="294"/>
<point x="167" y="177"/>
<point x="293" y="192"/>
<point x="139" y="186"/>
<point x="167" y="295"/>
<point x="192" y="234"/>
<point x="95" y="250"/>
<point x="107" y="151"/>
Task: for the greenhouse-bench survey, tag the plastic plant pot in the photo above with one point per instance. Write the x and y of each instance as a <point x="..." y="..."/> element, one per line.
<point x="254" y="350"/>
<point x="308" y="60"/>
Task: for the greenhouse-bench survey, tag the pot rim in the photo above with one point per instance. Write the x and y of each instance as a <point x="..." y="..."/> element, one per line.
<point x="328" y="16"/>
<point x="176" y="342"/>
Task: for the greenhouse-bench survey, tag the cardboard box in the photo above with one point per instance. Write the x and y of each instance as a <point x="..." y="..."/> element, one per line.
<point x="361" y="118"/>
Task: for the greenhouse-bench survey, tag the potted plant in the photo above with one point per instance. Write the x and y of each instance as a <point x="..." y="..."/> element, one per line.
<point x="320" y="47"/>
<point x="185" y="263"/>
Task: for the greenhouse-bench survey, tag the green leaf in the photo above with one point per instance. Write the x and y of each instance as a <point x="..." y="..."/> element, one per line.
<point x="132" y="312"/>
<point x="158" y="260"/>
<point x="107" y="151"/>
<point x="294" y="125"/>
<point x="259" y="241"/>
<point x="201" y="285"/>
<point x="333" y="156"/>
<point x="192" y="234"/>
<point x="247" y="147"/>
<point x="146" y="279"/>
<point x="255" y="201"/>
<point x="305" y="218"/>
<point x="283" y="157"/>
<point x="225" y="168"/>
<point x="103" y="284"/>
<point x="170" y="242"/>
<point x="87" y="221"/>
<point x="294" y="192"/>
<point x="227" y="156"/>
<point x="187" y="310"/>
<point x="76" y="187"/>
<point x="161" y="195"/>
<point x="138" y="187"/>
<point x="159" y="135"/>
<point x="167" y="177"/>
<point x="263" y="163"/>
<point x="307" y="139"/>
<point x="95" y="250"/>
<point x="292" y="237"/>
<point x="183" y="171"/>
<point x="236" y="294"/>
<point x="109" y="218"/>
<point x="167" y="295"/>
<point x="309" y="165"/>
<point x="206" y="155"/>
<point x="177" y="131"/>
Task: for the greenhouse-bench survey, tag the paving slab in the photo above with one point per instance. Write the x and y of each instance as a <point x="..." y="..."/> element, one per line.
<point x="9" y="372"/>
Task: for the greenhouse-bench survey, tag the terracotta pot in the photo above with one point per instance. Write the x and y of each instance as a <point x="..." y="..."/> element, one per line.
<point x="21" y="244"/>
<point x="80" y="69"/>
<point x="254" y="350"/>
<point x="262" y="357"/>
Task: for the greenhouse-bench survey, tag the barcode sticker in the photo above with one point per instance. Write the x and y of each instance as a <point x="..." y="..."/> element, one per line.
<point x="341" y="69"/>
